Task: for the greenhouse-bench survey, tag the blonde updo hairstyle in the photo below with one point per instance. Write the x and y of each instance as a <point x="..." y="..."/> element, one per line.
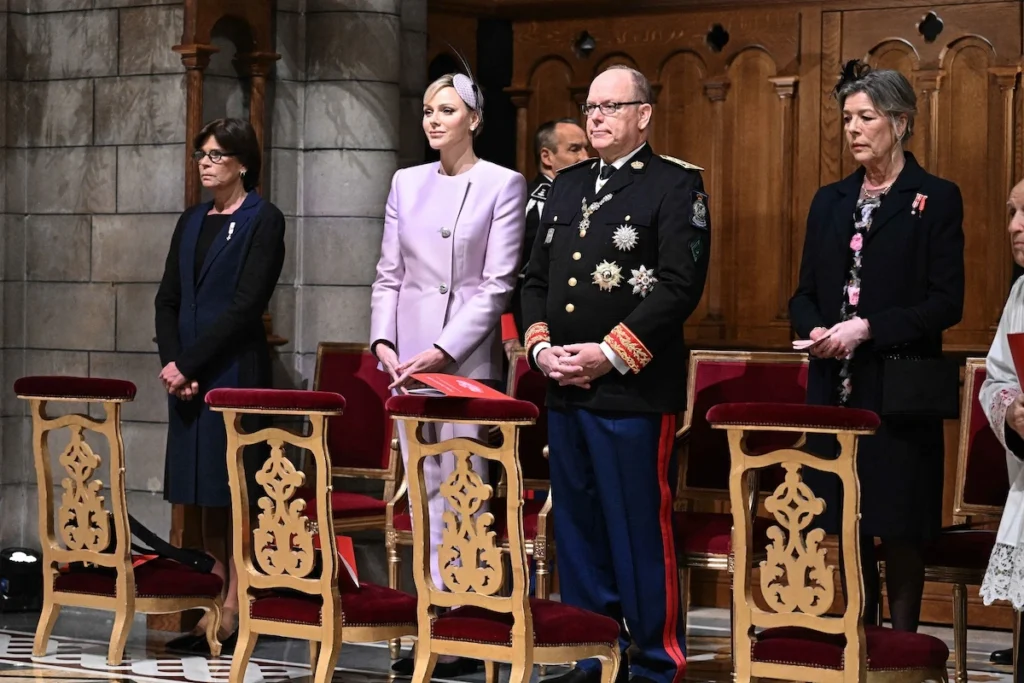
<point x="467" y="91"/>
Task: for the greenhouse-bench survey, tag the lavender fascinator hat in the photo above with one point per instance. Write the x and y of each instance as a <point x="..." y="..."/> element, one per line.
<point x="465" y="85"/>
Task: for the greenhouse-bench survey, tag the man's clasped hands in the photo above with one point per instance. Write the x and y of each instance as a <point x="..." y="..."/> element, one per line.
<point x="574" y="364"/>
<point x="176" y="383"/>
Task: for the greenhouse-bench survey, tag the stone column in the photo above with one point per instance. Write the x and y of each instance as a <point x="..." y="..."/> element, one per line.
<point x="413" y="81"/>
<point x="95" y="109"/>
<point x="349" y="153"/>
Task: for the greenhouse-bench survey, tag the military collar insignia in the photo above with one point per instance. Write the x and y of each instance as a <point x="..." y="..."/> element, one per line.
<point x="541" y="193"/>
<point x="625" y="237"/>
<point x="679" y="162"/>
<point x="643" y="281"/>
<point x="578" y="164"/>
<point x="637" y="165"/>
<point x="607" y="276"/>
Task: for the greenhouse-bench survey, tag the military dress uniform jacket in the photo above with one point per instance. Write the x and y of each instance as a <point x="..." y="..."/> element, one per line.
<point x="625" y="265"/>
<point x="537" y="196"/>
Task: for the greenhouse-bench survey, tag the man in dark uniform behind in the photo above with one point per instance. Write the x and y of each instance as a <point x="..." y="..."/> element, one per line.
<point x="556" y="145"/>
<point x="618" y="266"/>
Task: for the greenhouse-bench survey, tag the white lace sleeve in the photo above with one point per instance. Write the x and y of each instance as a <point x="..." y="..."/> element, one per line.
<point x="1001" y="385"/>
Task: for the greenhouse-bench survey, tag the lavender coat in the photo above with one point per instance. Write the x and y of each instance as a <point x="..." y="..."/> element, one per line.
<point x="448" y="264"/>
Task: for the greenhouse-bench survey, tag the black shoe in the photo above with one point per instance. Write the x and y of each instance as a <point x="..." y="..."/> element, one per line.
<point x="454" y="669"/>
<point x="578" y="675"/>
<point x="227" y="646"/>
<point x="1004" y="657"/>
<point x="185" y="643"/>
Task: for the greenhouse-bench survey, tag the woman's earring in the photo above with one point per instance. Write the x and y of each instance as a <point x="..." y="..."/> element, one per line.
<point x="243" y="172"/>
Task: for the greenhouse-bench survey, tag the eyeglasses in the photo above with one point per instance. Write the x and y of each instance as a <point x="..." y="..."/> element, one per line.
<point x="216" y="156"/>
<point x="607" y="108"/>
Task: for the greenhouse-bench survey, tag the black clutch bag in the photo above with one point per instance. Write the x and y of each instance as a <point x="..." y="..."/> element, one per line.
<point x="917" y="386"/>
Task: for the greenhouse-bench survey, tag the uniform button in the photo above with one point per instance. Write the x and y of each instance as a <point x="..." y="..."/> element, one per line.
<point x="446" y="233"/>
<point x="443" y="289"/>
<point x="569" y="308"/>
<point x="627" y="218"/>
<point x="572" y="282"/>
<point x="577" y="256"/>
<point x="556" y="218"/>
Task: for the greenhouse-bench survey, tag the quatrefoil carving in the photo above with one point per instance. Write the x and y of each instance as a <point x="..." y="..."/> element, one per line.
<point x="795" y="576"/>
<point x="283" y="542"/>
<point x="469" y="556"/>
<point x="84" y="522"/>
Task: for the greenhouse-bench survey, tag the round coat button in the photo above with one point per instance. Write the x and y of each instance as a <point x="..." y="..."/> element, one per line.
<point x="446" y="233"/>
<point x="577" y="256"/>
<point x="569" y="308"/>
<point x="443" y="289"/>
<point x="572" y="282"/>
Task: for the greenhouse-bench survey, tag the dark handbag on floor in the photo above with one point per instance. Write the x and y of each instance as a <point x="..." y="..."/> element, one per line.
<point x="918" y="386"/>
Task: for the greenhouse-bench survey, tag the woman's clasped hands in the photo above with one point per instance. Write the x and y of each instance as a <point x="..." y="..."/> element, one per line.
<point x="176" y="383"/>
<point x="841" y="340"/>
<point x="431" y="360"/>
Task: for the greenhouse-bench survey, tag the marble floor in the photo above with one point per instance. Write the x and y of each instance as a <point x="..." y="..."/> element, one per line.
<point x="77" y="652"/>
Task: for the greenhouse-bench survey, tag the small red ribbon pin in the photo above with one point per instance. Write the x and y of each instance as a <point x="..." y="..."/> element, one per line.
<point x="918" y="205"/>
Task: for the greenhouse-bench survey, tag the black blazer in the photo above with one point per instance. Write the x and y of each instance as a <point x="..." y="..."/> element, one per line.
<point x="912" y="278"/>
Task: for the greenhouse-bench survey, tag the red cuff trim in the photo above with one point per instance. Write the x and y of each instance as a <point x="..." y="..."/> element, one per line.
<point x="537" y="333"/>
<point x="628" y="347"/>
<point x="508" y="328"/>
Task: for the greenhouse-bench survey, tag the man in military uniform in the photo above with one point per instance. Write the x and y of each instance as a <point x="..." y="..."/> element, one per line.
<point x="618" y="266"/>
<point x="556" y="145"/>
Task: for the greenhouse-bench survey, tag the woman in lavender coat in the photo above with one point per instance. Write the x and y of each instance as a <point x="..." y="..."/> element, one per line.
<point x="453" y="234"/>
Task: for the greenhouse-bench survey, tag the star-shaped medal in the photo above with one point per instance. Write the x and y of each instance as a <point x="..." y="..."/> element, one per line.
<point x="607" y="275"/>
<point x="643" y="281"/>
<point x="625" y="237"/>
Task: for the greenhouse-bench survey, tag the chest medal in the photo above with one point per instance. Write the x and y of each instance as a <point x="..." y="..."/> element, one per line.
<point x="607" y="275"/>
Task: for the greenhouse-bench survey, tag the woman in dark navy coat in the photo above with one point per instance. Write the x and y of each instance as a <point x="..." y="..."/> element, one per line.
<point x="882" y="276"/>
<point x="224" y="261"/>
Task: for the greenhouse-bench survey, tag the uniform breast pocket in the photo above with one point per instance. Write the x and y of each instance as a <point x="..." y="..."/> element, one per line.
<point x="555" y="227"/>
<point x="630" y="231"/>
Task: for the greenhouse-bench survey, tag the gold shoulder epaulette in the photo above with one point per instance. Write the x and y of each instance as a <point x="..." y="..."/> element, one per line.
<point x="680" y="162"/>
<point x="577" y="164"/>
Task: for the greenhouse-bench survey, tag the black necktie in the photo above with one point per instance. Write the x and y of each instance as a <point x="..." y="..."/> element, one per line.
<point x="606" y="171"/>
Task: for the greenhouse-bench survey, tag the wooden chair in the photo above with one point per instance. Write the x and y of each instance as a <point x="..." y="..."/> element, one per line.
<point x="799" y="642"/>
<point x="704" y="538"/>
<point x="94" y="537"/>
<point x="525" y="384"/>
<point x="960" y="554"/>
<point x="361" y="442"/>
<point x="480" y="623"/>
<point x="287" y="570"/>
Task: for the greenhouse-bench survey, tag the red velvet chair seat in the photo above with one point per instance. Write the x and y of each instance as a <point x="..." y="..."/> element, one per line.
<point x="290" y="400"/>
<point x="554" y="624"/>
<point x="158" y="578"/>
<point x="959" y="549"/>
<point x="482" y="409"/>
<point x="531" y="518"/>
<point x="372" y="605"/>
<point x="87" y="388"/>
<point x="887" y="650"/>
<point x="793" y="416"/>
<point x="345" y="504"/>
<point x="710" y="533"/>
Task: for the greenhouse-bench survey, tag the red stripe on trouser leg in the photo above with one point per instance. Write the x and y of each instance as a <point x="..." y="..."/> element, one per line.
<point x="666" y="445"/>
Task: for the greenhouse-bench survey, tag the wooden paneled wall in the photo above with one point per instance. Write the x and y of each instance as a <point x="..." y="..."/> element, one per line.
<point x="757" y="114"/>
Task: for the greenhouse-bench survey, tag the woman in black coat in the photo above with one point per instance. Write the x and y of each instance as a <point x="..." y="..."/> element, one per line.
<point x="882" y="276"/>
<point x="224" y="261"/>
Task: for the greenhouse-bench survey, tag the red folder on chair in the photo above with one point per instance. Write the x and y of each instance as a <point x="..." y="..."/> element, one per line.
<point x="1017" y="352"/>
<point x="458" y="387"/>
<point x="348" y="577"/>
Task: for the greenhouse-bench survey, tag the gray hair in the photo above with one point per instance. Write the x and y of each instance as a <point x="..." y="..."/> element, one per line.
<point x="891" y="94"/>
<point x="641" y="86"/>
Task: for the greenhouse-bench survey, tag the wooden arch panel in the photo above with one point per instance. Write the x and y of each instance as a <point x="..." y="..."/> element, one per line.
<point x="750" y="229"/>
<point x="551" y="99"/>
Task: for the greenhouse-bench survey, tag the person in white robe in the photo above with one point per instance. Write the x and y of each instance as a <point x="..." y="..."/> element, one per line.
<point x="1003" y="402"/>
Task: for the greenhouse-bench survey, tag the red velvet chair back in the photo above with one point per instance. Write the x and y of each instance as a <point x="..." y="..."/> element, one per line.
<point x="362" y="441"/>
<point x="796" y="581"/>
<point x="284" y="548"/>
<point x="90" y="525"/>
<point x="470" y="553"/>
<point x="732" y="376"/>
<point x="526" y="384"/>
<point x="981" y="478"/>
